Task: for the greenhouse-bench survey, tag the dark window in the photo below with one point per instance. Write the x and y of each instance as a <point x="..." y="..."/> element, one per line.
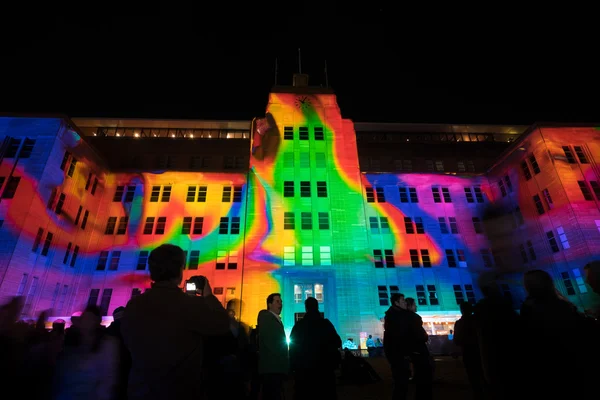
<point x="321" y="189"/>
<point x="288" y="133"/>
<point x="450" y="258"/>
<point x="11" y="187"/>
<point x="60" y="203"/>
<point x="160" y="225"/>
<point x="552" y="242"/>
<point x="142" y="260"/>
<point x="155" y="194"/>
<point x="305" y="189"/>
<point x="581" y="155"/>
<point x="319" y="133"/>
<point x="122" y="228"/>
<point x="303" y="132"/>
<point x="323" y="220"/>
<point x="585" y="190"/>
<point x="569" y="155"/>
<point x="534" y="164"/>
<point x="130" y="194"/>
<point x="47" y="243"/>
<point x="288" y="189"/>
<point x="237" y="194"/>
<point x="226" y="197"/>
<point x="119" y="194"/>
<point x="525" y="169"/>
<point x="110" y="226"/>
<point x="289" y="221"/>
<point x="538" y="204"/>
<point x="306" y="220"/>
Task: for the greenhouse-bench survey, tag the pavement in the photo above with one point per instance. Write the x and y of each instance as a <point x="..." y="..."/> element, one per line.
<point x="450" y="382"/>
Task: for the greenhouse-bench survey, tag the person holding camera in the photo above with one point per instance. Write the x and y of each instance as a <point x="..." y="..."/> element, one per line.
<point x="165" y="329"/>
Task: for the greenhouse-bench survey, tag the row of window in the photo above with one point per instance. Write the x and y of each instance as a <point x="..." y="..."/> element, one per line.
<point x="303" y="133"/>
<point x="381" y="225"/>
<point x="406" y="165"/>
<point x="427" y="294"/>
<point x="409" y="194"/>
<point x="16" y="150"/>
<point x="163" y="194"/>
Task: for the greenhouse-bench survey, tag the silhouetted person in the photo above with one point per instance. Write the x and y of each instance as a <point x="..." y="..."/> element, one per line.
<point x="114" y="329"/>
<point x="314" y="354"/>
<point x="498" y="334"/>
<point x="465" y="337"/>
<point x="273" y="361"/>
<point x="420" y="357"/>
<point x="403" y="335"/>
<point x="165" y="329"/>
<point x="556" y="342"/>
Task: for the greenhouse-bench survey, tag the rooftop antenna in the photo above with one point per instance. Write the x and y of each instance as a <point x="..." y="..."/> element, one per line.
<point x="326" y="76"/>
<point x="299" y="61"/>
<point x="275" y="71"/>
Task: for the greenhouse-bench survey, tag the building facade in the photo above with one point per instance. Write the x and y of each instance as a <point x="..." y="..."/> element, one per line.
<point x="302" y="202"/>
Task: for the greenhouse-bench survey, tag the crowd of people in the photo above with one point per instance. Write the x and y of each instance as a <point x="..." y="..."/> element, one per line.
<point x="173" y="344"/>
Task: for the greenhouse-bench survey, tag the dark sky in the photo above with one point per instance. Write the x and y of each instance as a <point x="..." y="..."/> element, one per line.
<point x="382" y="68"/>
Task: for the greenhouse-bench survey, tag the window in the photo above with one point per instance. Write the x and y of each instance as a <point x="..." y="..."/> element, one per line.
<point x="195" y="259"/>
<point x="502" y="188"/>
<point x="446" y="194"/>
<point x="403" y="194"/>
<point x="142" y="260"/>
<point x="525" y="169"/>
<point x="383" y="296"/>
<point x="320" y="160"/>
<point x="443" y="226"/>
<point x="226" y="197"/>
<point x="67" y="254"/>
<point x="105" y="302"/>
<point x="191" y="194"/>
<point x="323" y="220"/>
<point x="325" y="255"/>
<point x="585" y="190"/>
<point x="563" y="237"/>
<point x="60" y="204"/>
<point x="477" y="225"/>
<point x="237" y="194"/>
<point x="458" y="294"/>
<point x="303" y="133"/>
<point x="130" y="194"/>
<point x="408" y="225"/>
<point x="202" y="191"/>
<point x="154" y="195"/>
<point x="389" y="258"/>
<point x="579" y="280"/>
<point x="65" y="160"/>
<point x="27" y="148"/>
<point x="288" y="133"/>
<point x="486" y="255"/>
<point x="224" y="226"/>
<point x="470" y="294"/>
<point x="47" y="244"/>
<point x="319" y="133"/>
<point x="289" y="221"/>
<point x="568" y="283"/>
<point x="166" y="195"/>
<point x="453" y="225"/>
<point x="304" y="160"/>
<point x="378" y="258"/>
<point x="581" y="155"/>
<point x="74" y="256"/>
<point x="569" y="155"/>
<point x="289" y="256"/>
<point x="538" y="205"/>
<point x="321" y="189"/>
<point x="11" y="187"/>
<point x="552" y="241"/>
<point x="450" y="258"/>
<point x="93" y="298"/>
<point x="72" y="167"/>
<point x="86" y="214"/>
<point x="288" y="159"/>
<point x="374" y="225"/>
<point x="531" y="250"/>
<point x="102" y="260"/>
<point x="421" y="295"/>
<point x="235" y="225"/>
<point x="380" y="194"/>
<point x="88" y="182"/>
<point x="288" y="189"/>
<point x="523" y="253"/>
<point x="110" y="226"/>
<point x="519" y="216"/>
<point x="425" y="258"/>
<point x="534" y="164"/>
<point x="149" y="226"/>
<point x="469" y="195"/>
<point x="122" y="228"/>
<point x="307" y="255"/>
<point x="478" y="194"/>
<point x="119" y="194"/>
<point x="305" y="189"/>
<point x="38" y="240"/>
<point x="436" y="195"/>
<point x="596" y="188"/>
<point x="306" y="220"/>
<point x="508" y="183"/>
<point x="370" y="195"/>
<point x="439" y="165"/>
<point x="385" y="226"/>
<point x="94" y="186"/>
<point x="115" y="257"/>
<point x="548" y="199"/>
<point x="419" y="225"/>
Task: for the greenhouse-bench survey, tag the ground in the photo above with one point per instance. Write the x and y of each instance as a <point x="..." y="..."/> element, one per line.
<point x="450" y="382"/>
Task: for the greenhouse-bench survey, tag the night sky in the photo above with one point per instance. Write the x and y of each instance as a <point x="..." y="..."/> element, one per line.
<point x="381" y="69"/>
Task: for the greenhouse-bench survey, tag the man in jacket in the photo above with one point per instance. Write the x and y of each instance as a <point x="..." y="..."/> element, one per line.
<point x="314" y="354"/>
<point x="402" y="337"/>
<point x="164" y="330"/>
<point x="273" y="363"/>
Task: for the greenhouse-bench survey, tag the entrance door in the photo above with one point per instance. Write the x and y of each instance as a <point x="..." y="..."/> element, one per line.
<point x="304" y="290"/>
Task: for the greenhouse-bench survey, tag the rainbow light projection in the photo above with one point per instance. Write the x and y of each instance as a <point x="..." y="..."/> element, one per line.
<point x="316" y="240"/>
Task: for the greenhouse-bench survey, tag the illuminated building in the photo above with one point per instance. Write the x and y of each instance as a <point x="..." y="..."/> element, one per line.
<point x="301" y="202"/>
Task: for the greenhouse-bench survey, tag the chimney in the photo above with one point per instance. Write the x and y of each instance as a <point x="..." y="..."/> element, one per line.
<point x="300" y="80"/>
